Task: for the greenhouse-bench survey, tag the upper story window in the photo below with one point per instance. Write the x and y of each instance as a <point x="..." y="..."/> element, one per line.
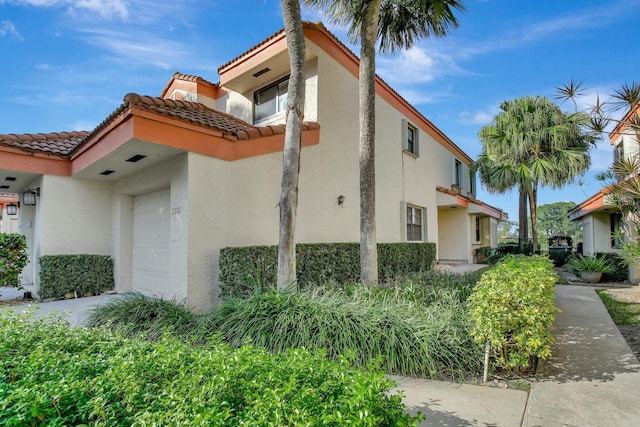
<point x="458" y="173"/>
<point x="270" y="100"/>
<point x="414" y="224"/>
<point x="410" y="142"/>
<point x="472" y="182"/>
<point x="618" y="154"/>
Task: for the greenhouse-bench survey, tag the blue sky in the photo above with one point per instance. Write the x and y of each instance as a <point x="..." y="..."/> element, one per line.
<point x="67" y="64"/>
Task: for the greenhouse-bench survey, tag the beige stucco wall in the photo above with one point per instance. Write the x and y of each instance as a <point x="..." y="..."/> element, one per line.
<point x="596" y="234"/>
<point x="453" y="231"/>
<point x="75" y="216"/>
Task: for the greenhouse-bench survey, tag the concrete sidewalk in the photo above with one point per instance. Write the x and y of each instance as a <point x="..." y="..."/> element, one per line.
<point x="592" y="378"/>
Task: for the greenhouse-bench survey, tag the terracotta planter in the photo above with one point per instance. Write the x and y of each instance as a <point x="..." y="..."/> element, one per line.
<point x="591" y="276"/>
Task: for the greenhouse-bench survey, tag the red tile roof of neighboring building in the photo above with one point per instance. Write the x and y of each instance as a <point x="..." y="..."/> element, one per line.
<point x="57" y="143"/>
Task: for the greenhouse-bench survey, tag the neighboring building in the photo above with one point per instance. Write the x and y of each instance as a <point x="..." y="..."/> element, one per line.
<point x="601" y="219"/>
<point x="164" y="183"/>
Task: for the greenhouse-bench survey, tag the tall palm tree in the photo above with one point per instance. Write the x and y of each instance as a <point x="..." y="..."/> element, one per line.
<point x="532" y="142"/>
<point x="397" y="24"/>
<point x="292" y="141"/>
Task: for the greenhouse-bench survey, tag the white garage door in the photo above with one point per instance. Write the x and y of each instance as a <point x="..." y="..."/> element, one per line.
<point x="151" y="244"/>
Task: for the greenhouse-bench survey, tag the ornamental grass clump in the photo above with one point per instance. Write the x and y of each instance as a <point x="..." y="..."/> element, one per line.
<point x="513" y="309"/>
<point x="52" y="374"/>
<point x="409" y="338"/>
<point x="417" y="326"/>
<point x="136" y="314"/>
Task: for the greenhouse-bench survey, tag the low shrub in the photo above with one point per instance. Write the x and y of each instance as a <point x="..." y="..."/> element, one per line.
<point x="483" y="253"/>
<point x="82" y="273"/>
<point x="513" y="309"/>
<point x="252" y="269"/>
<point x="13" y="258"/>
<point x="54" y="375"/>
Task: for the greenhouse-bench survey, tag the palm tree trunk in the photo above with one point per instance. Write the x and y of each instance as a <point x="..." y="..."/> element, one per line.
<point x="292" y="142"/>
<point x="523" y="226"/>
<point x="368" y="240"/>
<point x="533" y="200"/>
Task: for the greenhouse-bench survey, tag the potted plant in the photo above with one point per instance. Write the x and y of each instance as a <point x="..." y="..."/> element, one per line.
<point x="590" y="268"/>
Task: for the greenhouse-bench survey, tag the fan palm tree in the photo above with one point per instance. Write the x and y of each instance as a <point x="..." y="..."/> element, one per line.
<point x="397" y="24"/>
<point x="532" y="142"/>
<point x="292" y="141"/>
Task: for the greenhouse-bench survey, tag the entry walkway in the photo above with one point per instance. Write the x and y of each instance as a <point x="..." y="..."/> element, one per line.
<point x="592" y="379"/>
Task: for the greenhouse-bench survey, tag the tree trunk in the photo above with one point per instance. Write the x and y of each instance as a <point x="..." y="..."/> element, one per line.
<point x="292" y="142"/>
<point x="368" y="240"/>
<point x="533" y="200"/>
<point x="523" y="222"/>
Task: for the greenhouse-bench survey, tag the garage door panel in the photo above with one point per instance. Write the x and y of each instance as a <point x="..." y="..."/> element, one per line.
<point x="151" y="244"/>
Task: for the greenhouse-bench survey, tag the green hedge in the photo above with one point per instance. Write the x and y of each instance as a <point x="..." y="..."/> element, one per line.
<point x="513" y="308"/>
<point x="52" y="375"/>
<point x="243" y="270"/>
<point x="13" y="258"/>
<point x="80" y="273"/>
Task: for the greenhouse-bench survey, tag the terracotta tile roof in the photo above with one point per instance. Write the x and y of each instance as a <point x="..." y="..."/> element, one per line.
<point x="186" y="77"/>
<point x="65" y="143"/>
<point x="58" y="143"/>
<point x="199" y="114"/>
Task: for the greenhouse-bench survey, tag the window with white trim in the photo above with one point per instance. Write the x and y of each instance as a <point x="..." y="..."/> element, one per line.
<point x="618" y="154"/>
<point x="410" y="138"/>
<point x="414" y="224"/>
<point x="458" y="173"/>
<point x="270" y="100"/>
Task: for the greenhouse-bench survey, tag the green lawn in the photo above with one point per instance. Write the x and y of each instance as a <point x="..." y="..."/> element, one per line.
<point x="622" y="313"/>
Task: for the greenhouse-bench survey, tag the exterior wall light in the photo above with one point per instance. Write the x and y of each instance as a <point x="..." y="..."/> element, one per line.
<point x="340" y="200"/>
<point x="29" y="196"/>
<point x="12" y="209"/>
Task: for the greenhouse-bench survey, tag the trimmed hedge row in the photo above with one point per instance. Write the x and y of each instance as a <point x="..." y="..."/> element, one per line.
<point x="513" y="309"/>
<point x="80" y="273"/>
<point x="54" y="375"/>
<point x="13" y="258"/>
<point x="243" y="270"/>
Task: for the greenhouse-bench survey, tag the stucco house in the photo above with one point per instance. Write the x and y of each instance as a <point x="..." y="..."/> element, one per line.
<point x="163" y="183"/>
<point x="601" y="220"/>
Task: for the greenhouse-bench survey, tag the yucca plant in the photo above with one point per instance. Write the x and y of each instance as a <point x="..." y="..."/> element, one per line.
<point x="590" y="263"/>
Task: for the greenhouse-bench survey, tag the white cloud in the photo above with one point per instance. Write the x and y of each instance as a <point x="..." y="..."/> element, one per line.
<point x="7" y="28"/>
<point x="416" y="65"/>
<point x="475" y="118"/>
<point x="578" y="20"/>
<point x="105" y="8"/>
<point x="163" y="53"/>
